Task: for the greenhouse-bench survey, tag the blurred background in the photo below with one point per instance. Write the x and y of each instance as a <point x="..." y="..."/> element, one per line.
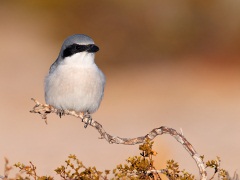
<point x="172" y="63"/>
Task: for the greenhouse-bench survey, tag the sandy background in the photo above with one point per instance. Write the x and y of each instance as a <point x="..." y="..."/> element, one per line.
<point x="167" y="63"/>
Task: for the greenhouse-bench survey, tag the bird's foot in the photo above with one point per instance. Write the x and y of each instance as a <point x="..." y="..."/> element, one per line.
<point x="60" y="112"/>
<point x="89" y="119"/>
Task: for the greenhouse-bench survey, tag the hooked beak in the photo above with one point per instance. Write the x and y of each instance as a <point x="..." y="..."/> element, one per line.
<point x="92" y="48"/>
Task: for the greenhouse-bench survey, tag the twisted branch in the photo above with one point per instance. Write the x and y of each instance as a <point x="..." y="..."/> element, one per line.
<point x="45" y="109"/>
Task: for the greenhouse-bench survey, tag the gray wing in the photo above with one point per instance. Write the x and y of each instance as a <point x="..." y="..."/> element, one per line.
<point x="53" y="66"/>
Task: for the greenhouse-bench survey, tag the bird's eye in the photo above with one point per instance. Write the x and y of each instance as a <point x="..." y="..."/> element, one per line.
<point x="80" y="48"/>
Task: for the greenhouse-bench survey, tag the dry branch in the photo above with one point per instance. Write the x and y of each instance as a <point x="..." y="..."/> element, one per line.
<point x="45" y="109"/>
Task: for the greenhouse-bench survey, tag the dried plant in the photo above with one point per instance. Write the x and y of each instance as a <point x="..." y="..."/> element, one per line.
<point x="45" y="109"/>
<point x="136" y="168"/>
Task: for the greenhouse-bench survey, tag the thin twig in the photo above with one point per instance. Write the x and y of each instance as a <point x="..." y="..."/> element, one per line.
<point x="45" y="109"/>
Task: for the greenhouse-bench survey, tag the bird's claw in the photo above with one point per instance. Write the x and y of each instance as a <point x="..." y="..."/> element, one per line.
<point x="60" y="112"/>
<point x="89" y="119"/>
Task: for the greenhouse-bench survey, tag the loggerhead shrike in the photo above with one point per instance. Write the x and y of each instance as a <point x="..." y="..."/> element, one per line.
<point x="74" y="81"/>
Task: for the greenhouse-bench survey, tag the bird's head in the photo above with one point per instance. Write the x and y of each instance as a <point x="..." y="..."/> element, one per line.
<point x="78" y="47"/>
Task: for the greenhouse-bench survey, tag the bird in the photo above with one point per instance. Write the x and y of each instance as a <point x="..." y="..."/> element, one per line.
<point x="74" y="81"/>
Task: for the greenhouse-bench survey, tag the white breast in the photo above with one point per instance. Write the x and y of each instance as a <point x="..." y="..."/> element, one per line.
<point x="77" y="84"/>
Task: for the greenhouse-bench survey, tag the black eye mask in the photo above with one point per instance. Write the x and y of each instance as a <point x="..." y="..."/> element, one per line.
<point x="76" y="48"/>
